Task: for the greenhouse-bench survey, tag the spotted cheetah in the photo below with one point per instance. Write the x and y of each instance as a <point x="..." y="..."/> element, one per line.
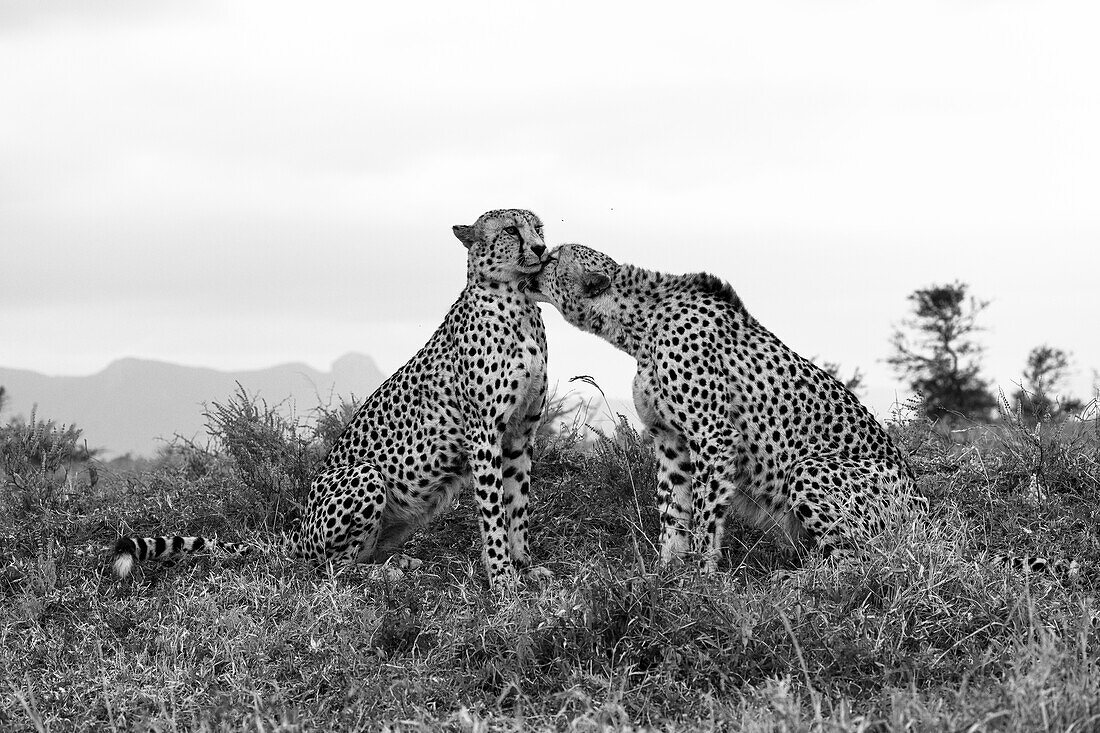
<point x="464" y="409"/>
<point x="738" y="419"/>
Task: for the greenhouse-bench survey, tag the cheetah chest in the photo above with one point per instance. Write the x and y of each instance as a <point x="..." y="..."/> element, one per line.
<point x="528" y="370"/>
<point x="646" y="402"/>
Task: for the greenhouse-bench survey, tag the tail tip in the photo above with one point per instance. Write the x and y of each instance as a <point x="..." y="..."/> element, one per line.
<point x="125" y="552"/>
<point x="124" y="562"/>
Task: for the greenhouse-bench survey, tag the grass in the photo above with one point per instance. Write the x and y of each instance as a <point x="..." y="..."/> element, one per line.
<point x="920" y="635"/>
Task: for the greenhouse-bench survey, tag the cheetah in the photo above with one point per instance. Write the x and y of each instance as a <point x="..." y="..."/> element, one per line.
<point x="739" y="420"/>
<point x="464" y="409"/>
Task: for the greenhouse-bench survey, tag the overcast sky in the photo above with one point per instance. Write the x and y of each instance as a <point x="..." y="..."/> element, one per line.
<point x="239" y="184"/>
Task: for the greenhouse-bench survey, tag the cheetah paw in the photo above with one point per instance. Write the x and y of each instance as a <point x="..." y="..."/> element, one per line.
<point x="404" y="562"/>
<point x="538" y="573"/>
<point x="505" y="582"/>
<point x="385" y="572"/>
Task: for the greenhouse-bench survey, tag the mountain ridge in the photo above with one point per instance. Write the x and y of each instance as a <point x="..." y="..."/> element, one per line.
<point x="133" y="405"/>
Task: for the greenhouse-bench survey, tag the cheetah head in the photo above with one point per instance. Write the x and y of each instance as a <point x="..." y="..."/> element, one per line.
<point x="505" y="245"/>
<point x="576" y="280"/>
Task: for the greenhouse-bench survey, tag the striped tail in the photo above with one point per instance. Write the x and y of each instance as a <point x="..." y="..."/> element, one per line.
<point x="1060" y="568"/>
<point x="129" y="550"/>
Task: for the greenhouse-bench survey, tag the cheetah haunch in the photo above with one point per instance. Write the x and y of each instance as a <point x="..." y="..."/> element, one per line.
<point x="464" y="409"/>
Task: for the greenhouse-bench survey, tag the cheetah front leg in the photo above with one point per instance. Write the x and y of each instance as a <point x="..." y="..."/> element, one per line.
<point x="516" y="475"/>
<point x="712" y="491"/>
<point x="485" y="467"/>
<point x="674" y="506"/>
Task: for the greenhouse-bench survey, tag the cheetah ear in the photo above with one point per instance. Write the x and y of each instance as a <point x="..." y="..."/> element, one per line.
<point x="594" y="283"/>
<point x="465" y="234"/>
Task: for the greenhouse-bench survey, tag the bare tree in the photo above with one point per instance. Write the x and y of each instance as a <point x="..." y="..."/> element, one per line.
<point x="1043" y="376"/>
<point x="936" y="351"/>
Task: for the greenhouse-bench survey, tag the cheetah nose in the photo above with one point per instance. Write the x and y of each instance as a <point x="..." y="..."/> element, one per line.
<point x="538" y="249"/>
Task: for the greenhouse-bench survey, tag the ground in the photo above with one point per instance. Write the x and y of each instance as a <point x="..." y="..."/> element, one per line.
<point x="920" y="634"/>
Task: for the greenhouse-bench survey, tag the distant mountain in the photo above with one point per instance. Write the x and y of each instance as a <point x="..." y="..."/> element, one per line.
<point x="134" y="405"/>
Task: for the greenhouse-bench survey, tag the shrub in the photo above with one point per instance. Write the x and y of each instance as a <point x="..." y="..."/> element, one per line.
<point x="38" y="446"/>
<point x="273" y="455"/>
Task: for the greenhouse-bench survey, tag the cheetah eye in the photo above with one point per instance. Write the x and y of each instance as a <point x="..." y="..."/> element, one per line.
<point x="594" y="284"/>
<point x="511" y="230"/>
<point x="538" y="230"/>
